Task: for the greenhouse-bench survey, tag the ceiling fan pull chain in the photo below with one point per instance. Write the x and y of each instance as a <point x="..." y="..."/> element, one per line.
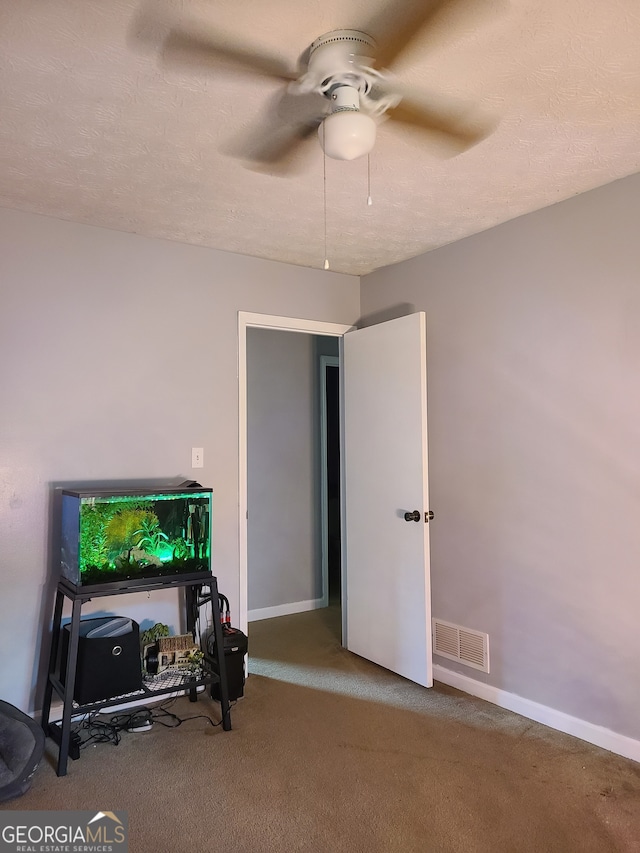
<point x="369" y="199"/>
<point x="324" y="200"/>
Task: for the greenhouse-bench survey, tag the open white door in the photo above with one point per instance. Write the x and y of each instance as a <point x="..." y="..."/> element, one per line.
<point x="388" y="596"/>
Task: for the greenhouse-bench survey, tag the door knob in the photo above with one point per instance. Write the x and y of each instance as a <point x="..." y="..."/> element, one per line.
<point x="416" y="515"/>
<point x="428" y="516"/>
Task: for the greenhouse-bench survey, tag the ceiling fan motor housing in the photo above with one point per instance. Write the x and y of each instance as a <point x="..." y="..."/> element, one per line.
<point x="340" y="69"/>
<point x="341" y="58"/>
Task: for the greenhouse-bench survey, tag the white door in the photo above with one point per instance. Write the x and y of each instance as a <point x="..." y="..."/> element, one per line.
<point x="388" y="600"/>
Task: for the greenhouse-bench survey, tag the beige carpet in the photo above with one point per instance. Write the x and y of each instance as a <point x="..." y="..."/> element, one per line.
<point x="331" y="753"/>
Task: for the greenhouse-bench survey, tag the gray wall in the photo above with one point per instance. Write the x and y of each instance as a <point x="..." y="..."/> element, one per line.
<point x="117" y="355"/>
<point x="283" y="491"/>
<point x="534" y="446"/>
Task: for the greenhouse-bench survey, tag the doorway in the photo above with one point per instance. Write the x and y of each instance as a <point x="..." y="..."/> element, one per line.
<point x="330" y="506"/>
<point x="292" y="496"/>
<point x="309" y="329"/>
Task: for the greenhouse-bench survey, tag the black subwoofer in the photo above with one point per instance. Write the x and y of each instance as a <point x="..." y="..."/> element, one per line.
<point x="109" y="662"/>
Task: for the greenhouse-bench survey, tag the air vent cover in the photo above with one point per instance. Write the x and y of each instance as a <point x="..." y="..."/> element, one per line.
<point x="461" y="644"/>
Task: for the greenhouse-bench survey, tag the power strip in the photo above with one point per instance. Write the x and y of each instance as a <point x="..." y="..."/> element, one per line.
<point x="140" y="724"/>
<point x="143" y="727"/>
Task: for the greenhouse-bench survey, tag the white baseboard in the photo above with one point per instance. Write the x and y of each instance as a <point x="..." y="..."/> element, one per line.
<point x="286" y="609"/>
<point x="597" y="735"/>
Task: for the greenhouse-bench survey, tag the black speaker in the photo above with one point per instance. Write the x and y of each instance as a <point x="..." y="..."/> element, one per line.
<point x="109" y="662"/>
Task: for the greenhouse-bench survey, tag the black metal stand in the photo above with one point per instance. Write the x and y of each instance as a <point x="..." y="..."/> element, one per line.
<point x="60" y="732"/>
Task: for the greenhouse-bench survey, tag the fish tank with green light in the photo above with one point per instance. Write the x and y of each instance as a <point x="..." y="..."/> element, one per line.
<point x="116" y="539"/>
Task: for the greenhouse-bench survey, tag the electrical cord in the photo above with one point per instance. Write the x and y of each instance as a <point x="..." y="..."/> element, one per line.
<point x="162" y="711"/>
<point x="97" y="728"/>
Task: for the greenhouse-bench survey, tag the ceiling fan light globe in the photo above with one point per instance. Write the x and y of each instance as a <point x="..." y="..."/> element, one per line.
<point x="347" y="135"/>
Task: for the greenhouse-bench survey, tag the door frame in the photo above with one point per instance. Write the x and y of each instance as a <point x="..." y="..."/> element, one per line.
<point x="247" y="320"/>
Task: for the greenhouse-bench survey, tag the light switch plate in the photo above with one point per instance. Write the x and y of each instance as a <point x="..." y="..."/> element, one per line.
<point x="197" y="457"/>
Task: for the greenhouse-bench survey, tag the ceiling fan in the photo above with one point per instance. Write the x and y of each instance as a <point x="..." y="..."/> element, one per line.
<point x="343" y="89"/>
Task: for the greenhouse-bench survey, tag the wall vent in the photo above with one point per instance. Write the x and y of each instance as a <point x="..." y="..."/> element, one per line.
<point x="461" y="644"/>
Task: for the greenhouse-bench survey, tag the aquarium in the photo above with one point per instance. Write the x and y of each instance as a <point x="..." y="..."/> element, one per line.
<point x="124" y="538"/>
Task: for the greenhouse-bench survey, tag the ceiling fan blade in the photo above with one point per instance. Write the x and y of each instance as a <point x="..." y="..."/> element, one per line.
<point x="276" y="140"/>
<point x="280" y="153"/>
<point x="198" y="48"/>
<point x="454" y="126"/>
<point x="187" y="39"/>
<point x="394" y="31"/>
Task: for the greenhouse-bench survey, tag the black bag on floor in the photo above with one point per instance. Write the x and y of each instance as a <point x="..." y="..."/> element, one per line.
<point x="21" y="748"/>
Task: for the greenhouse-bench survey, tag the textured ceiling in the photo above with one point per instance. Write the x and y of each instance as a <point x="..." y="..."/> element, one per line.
<point x="93" y="127"/>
